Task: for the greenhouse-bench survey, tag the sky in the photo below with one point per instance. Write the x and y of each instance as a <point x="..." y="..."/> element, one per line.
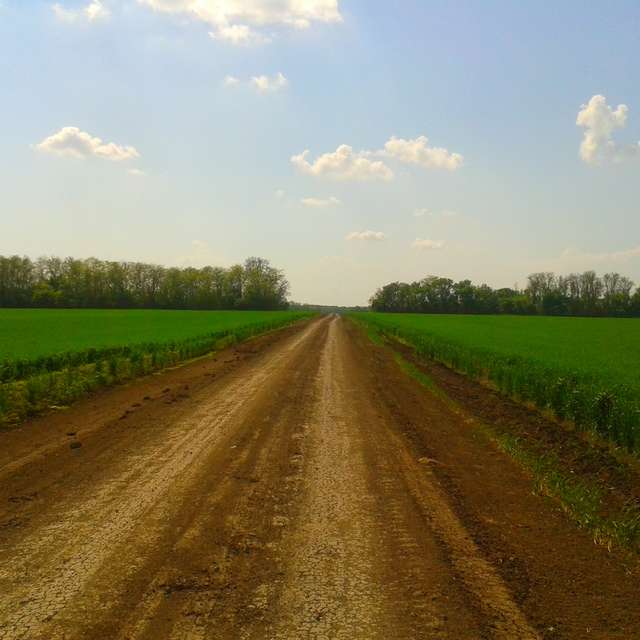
<point x="350" y="142"/>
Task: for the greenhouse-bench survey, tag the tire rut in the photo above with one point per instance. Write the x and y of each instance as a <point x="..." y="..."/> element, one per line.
<point x="76" y="542"/>
<point x="291" y="500"/>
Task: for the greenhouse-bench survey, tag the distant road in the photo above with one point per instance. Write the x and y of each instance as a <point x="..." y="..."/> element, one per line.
<point x="296" y="486"/>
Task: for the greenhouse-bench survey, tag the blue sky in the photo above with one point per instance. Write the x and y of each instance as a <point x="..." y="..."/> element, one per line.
<point x="200" y="170"/>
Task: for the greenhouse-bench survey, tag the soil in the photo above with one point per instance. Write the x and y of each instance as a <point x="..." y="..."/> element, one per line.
<point x="580" y="452"/>
<point x="299" y="485"/>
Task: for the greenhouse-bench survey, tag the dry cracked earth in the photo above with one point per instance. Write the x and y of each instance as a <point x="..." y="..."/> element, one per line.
<point x="299" y="485"/>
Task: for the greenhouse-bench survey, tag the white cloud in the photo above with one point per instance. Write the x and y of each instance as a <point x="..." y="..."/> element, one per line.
<point x="239" y="34"/>
<point x="72" y="142"/>
<point x="419" y="243"/>
<point x="418" y="152"/>
<point x="280" y="194"/>
<point x="264" y="84"/>
<point x="231" y="81"/>
<point x="599" y="121"/>
<point x="62" y="14"/>
<point x="92" y="12"/>
<point x="96" y="11"/>
<point x="343" y="164"/>
<point x="139" y="173"/>
<point x="321" y="203"/>
<point x="365" y="235"/>
<point x="235" y="20"/>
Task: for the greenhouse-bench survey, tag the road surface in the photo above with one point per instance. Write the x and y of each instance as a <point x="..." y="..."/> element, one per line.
<point x="296" y="486"/>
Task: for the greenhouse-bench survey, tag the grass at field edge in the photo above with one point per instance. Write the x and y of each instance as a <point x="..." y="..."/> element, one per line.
<point x="581" y="499"/>
<point x="46" y="389"/>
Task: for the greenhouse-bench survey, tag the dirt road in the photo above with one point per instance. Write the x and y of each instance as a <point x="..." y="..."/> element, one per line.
<point x="297" y="486"/>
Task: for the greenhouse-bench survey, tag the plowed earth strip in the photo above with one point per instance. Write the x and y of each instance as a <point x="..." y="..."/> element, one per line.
<point x="301" y="487"/>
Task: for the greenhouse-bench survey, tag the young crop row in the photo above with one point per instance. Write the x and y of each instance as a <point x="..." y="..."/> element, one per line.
<point x="30" y="386"/>
<point x="590" y="402"/>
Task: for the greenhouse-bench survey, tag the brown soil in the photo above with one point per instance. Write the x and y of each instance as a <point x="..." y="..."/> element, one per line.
<point x="297" y="486"/>
<point x="581" y="453"/>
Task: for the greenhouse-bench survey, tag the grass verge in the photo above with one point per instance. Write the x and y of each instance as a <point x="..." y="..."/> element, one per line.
<point x="56" y="381"/>
<point x="588" y="383"/>
<point x="584" y="500"/>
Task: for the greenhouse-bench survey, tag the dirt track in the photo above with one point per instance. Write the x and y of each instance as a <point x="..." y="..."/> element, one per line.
<point x="298" y="486"/>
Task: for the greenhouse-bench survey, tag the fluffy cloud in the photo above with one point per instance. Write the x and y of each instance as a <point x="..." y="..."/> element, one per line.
<point x="343" y="164"/>
<point x="321" y="203"/>
<point x="62" y="14"/>
<point x="599" y="121"/>
<point x="72" y="142"/>
<point x="96" y="11"/>
<point x="264" y="84"/>
<point x="365" y="235"/>
<point x="418" y="151"/>
<point x="418" y="243"/>
<point x="238" y="34"/>
<point x="138" y="173"/>
<point x="235" y="20"/>
<point x="92" y="12"/>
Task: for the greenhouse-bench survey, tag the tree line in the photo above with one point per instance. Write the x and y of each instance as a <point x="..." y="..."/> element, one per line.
<point x="546" y="293"/>
<point x="92" y="283"/>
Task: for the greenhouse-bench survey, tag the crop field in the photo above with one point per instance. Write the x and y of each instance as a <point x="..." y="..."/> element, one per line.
<point x="31" y="333"/>
<point x="583" y="369"/>
<point x="53" y="356"/>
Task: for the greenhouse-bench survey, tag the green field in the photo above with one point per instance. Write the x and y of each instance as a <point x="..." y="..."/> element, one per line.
<point x="584" y="369"/>
<point x="52" y="357"/>
<point x="31" y="333"/>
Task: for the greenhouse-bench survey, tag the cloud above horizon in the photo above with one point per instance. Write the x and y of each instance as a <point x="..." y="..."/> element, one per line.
<point x="599" y="122"/>
<point x="343" y="164"/>
<point x="263" y="84"/>
<point x="242" y="22"/>
<point x="74" y="143"/>
<point x="418" y="152"/>
<point x="428" y="245"/>
<point x="346" y="164"/>
<point x="366" y="236"/>
<point x="321" y="203"/>
<point x="239" y="34"/>
<point x="92" y="12"/>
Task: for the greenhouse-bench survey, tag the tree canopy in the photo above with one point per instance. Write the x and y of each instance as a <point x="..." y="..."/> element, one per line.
<point x="546" y="294"/>
<point x="69" y="282"/>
